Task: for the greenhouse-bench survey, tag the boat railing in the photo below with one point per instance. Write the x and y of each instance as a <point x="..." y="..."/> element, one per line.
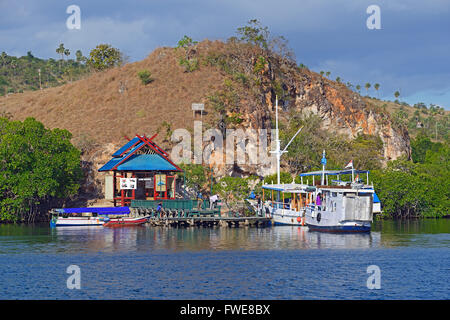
<point x="286" y="206"/>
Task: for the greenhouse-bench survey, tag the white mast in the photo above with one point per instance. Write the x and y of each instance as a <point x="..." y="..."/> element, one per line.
<point x="278" y="152"/>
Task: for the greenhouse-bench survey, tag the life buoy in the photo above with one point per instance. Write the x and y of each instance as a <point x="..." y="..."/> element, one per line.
<point x="299" y="219"/>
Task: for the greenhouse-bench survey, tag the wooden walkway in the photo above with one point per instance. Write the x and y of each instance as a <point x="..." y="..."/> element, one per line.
<point x="206" y="221"/>
<point x="188" y="213"/>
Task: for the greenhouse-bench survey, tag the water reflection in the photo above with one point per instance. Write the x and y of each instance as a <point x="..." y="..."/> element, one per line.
<point x="198" y="239"/>
<point x="42" y="239"/>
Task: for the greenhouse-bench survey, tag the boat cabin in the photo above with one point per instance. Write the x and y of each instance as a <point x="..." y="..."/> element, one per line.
<point x="287" y="196"/>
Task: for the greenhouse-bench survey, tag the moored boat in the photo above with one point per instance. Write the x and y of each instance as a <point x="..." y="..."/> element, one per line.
<point x="286" y="204"/>
<point x="340" y="206"/>
<point x="125" y="221"/>
<point x="95" y="216"/>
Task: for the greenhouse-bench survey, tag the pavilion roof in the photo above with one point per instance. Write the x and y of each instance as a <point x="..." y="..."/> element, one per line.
<point x="127" y="157"/>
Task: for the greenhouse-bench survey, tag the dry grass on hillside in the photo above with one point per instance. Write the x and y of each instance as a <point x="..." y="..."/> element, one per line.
<point x="95" y="108"/>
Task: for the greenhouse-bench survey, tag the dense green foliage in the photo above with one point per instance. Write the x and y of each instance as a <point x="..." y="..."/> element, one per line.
<point x="38" y="167"/>
<point x="233" y="190"/>
<point x="416" y="189"/>
<point x="196" y="176"/>
<point x="305" y="151"/>
<point x="104" y="56"/>
<point x="18" y="74"/>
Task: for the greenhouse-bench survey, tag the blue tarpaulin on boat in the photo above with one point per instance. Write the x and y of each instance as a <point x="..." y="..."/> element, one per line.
<point x="98" y="210"/>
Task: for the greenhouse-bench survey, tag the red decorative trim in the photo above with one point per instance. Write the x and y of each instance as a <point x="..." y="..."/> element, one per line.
<point x="158" y="150"/>
<point x="121" y="161"/>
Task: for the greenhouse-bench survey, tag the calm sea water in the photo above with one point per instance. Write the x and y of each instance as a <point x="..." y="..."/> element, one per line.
<point x="225" y="263"/>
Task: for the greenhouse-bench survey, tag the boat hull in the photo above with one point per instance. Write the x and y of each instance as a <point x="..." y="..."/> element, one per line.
<point x="76" y="222"/>
<point x="279" y="220"/>
<point x="340" y="229"/>
<point x="123" y="222"/>
<point x="286" y="217"/>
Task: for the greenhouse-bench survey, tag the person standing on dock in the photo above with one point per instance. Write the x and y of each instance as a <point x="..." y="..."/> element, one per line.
<point x="199" y="201"/>
<point x="212" y="201"/>
<point x="159" y="209"/>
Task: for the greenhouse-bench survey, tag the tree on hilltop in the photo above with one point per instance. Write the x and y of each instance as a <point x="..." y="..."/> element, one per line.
<point x="254" y="33"/>
<point x="376" y="86"/>
<point x="104" y="56"/>
<point x="60" y="50"/>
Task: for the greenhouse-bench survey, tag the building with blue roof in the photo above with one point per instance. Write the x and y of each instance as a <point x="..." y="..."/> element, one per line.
<point x="141" y="170"/>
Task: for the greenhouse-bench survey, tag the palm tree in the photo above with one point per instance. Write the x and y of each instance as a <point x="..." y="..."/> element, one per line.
<point x="338" y="79"/>
<point x="376" y="86"/>
<point x="66" y="52"/>
<point x="321" y="73"/>
<point x="367" y="86"/>
<point x="396" y="94"/>
<point x="358" y="87"/>
<point x="328" y="73"/>
<point x="60" y="50"/>
<point x="79" y="56"/>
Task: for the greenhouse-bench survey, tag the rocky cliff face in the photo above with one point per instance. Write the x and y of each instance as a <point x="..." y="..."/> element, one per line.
<point x="345" y="112"/>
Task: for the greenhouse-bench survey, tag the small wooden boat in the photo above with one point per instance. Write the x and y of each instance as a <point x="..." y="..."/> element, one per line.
<point x="125" y="221"/>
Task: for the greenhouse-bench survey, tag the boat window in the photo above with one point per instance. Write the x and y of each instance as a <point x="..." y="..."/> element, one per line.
<point x="334" y="194"/>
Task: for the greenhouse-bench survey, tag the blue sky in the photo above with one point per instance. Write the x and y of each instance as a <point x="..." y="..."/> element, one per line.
<point x="410" y="53"/>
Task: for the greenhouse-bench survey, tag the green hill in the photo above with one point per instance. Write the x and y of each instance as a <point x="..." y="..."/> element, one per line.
<point x="433" y="121"/>
<point x="19" y="74"/>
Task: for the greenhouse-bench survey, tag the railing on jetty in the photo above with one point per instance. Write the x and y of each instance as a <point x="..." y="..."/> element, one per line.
<point x="184" y="212"/>
<point x="175" y="208"/>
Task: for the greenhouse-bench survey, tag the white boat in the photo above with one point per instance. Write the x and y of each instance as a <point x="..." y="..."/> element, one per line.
<point x="288" y="206"/>
<point x="286" y="203"/>
<point x="95" y="216"/>
<point x="347" y="207"/>
<point x="340" y="206"/>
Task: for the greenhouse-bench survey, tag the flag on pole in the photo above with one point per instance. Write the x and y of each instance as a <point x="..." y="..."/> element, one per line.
<point x="349" y="165"/>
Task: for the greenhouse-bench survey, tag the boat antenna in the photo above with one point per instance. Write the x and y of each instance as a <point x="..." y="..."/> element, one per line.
<point x="278" y="152"/>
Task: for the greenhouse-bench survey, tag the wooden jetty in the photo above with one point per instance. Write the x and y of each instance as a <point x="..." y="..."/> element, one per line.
<point x="189" y="213"/>
<point x="210" y="221"/>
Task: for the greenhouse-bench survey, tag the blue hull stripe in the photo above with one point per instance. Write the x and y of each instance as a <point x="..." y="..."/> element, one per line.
<point x="339" y="228"/>
<point x="286" y="224"/>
